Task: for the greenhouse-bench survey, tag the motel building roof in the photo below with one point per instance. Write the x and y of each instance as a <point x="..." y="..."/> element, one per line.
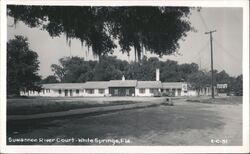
<point x="96" y="84"/>
<point x="173" y="85"/>
<point x="122" y="83"/>
<point x="63" y="86"/>
<point x="149" y="84"/>
<point x="114" y="83"/>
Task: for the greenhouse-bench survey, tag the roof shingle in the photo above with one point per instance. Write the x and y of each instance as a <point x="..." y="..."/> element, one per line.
<point x="114" y="83"/>
<point x="63" y="86"/>
<point x="121" y="83"/>
<point x="96" y="84"/>
<point x="172" y="85"/>
<point x="149" y="84"/>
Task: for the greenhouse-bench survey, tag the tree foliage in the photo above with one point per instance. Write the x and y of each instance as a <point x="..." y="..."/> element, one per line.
<point x="76" y="69"/>
<point x="22" y="66"/>
<point x="237" y="86"/>
<point x="199" y="80"/>
<point x="154" y="29"/>
<point x="50" y="79"/>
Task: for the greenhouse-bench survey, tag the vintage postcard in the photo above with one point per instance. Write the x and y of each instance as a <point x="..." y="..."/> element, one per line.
<point x="124" y="76"/>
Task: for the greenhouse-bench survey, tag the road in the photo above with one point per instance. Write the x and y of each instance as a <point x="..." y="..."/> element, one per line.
<point x="185" y="123"/>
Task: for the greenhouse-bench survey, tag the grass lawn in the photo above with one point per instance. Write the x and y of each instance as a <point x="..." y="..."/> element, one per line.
<point x="217" y="100"/>
<point x="27" y="106"/>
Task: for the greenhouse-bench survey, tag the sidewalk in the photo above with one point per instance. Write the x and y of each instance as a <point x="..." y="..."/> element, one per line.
<point x="83" y="111"/>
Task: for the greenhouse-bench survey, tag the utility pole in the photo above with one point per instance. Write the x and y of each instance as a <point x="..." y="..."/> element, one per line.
<point x="212" y="69"/>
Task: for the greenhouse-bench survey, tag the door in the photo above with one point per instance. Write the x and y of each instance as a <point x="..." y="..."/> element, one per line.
<point x="66" y="92"/>
<point x="116" y="92"/>
<point x="179" y="92"/>
<point x="127" y="92"/>
<point x="70" y="92"/>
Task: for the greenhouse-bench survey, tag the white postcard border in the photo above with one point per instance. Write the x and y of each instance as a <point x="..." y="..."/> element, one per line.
<point x="129" y="149"/>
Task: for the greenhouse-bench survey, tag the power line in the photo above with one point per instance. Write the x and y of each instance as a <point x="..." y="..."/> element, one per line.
<point x="227" y="52"/>
<point x="200" y="51"/>
<point x="203" y="21"/>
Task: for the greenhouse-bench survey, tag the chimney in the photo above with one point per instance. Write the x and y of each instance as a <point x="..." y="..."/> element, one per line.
<point x="157" y="74"/>
<point x="123" y="78"/>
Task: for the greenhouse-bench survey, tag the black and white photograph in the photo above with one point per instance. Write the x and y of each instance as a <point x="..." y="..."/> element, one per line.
<point x="122" y="75"/>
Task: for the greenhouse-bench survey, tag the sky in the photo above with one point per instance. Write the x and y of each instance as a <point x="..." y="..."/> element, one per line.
<point x="227" y="42"/>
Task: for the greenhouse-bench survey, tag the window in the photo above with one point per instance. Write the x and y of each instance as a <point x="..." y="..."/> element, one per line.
<point x="60" y="91"/>
<point x="47" y="90"/>
<point x="127" y="92"/>
<point x="179" y="92"/>
<point x="101" y="91"/>
<point x="142" y="91"/>
<point x="90" y="91"/>
<point x="43" y="91"/>
<point x="116" y="91"/>
<point x="153" y="90"/>
<point x="77" y="91"/>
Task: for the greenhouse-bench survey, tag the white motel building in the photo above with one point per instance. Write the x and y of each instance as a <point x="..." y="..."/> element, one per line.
<point x="113" y="88"/>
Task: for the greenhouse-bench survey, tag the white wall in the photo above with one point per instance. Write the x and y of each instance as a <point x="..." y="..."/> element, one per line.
<point x="147" y="92"/>
<point x="184" y="93"/>
<point x="33" y="93"/>
<point x="222" y="94"/>
<point x="192" y="93"/>
<point x="96" y="93"/>
<point x="51" y="93"/>
<point x="82" y="93"/>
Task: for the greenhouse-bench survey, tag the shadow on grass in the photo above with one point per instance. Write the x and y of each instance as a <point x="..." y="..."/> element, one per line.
<point x="27" y="125"/>
<point x="42" y="107"/>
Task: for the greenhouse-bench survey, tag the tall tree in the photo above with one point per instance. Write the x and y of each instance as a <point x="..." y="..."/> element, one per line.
<point x="222" y="77"/>
<point x="107" y="69"/>
<point x="237" y="85"/>
<point x="187" y="69"/>
<point x="199" y="80"/>
<point x="155" y="29"/>
<point x="22" y="66"/>
<point x="74" y="69"/>
<point x="169" y="71"/>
